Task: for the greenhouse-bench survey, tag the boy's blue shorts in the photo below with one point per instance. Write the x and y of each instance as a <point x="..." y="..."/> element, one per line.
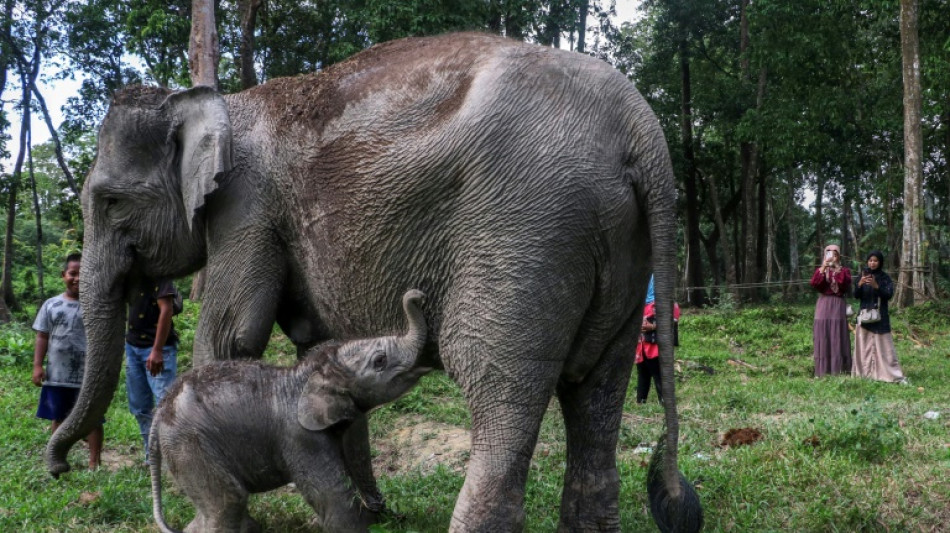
<point x="56" y="402"/>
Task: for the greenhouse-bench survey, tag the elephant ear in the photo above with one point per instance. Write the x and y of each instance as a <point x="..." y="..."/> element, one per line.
<point x="203" y="136"/>
<point x="322" y="404"/>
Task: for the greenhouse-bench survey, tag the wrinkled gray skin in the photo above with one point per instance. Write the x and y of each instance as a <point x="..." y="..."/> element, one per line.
<point x="232" y="428"/>
<point x="527" y="191"/>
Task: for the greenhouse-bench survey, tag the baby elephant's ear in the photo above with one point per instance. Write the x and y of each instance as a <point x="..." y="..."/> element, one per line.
<point x="322" y="404"/>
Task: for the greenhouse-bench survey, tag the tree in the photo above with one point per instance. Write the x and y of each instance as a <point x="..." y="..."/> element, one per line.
<point x="203" y="55"/>
<point x="248" y="10"/>
<point x="203" y="46"/>
<point x="911" y="281"/>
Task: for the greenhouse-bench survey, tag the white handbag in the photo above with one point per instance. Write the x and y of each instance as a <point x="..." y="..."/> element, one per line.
<point x="870" y="316"/>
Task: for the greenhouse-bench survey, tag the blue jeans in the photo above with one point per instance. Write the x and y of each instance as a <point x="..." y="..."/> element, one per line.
<point x="144" y="389"/>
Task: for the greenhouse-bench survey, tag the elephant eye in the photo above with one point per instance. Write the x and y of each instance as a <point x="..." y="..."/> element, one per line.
<point x="110" y="203"/>
<point x="379" y="361"/>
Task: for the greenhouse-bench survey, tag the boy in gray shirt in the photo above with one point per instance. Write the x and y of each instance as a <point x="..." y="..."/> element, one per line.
<point x="61" y="340"/>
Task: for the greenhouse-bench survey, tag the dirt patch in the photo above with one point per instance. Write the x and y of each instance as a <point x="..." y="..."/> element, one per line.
<point x="113" y="459"/>
<point x="421" y="446"/>
<point x="742" y="436"/>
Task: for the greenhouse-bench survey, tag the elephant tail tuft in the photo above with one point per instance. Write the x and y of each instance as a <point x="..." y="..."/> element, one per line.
<point x="681" y="513"/>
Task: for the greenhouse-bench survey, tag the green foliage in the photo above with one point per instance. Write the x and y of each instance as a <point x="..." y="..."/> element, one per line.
<point x="59" y="240"/>
<point x="158" y="32"/>
<point x="387" y="20"/>
<point x="16" y="344"/>
<point x="866" y="431"/>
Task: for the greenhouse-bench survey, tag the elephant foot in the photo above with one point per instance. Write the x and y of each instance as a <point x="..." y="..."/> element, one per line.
<point x="202" y="524"/>
<point x="489" y="515"/>
<point x="374" y="501"/>
<point x="589" y="502"/>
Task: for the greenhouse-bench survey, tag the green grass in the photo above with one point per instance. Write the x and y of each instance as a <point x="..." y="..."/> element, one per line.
<point x="838" y="454"/>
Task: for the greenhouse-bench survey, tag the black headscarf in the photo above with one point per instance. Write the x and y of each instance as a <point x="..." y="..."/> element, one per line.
<point x="880" y="260"/>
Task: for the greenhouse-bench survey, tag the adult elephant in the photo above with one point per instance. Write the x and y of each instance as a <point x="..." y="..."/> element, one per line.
<point x="526" y="190"/>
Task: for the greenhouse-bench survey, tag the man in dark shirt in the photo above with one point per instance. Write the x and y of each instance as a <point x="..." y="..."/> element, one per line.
<point x="151" y="350"/>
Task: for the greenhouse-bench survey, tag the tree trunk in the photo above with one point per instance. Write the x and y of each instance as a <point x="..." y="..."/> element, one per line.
<point x="7" y="280"/>
<point x="891" y="205"/>
<point x="728" y="262"/>
<point x="715" y="265"/>
<point x="851" y="231"/>
<point x="494" y="16"/>
<point x="819" y="225"/>
<point x="794" y="269"/>
<point x="769" y="236"/>
<point x="911" y="286"/>
<point x="744" y="37"/>
<point x="5" y="62"/>
<point x="248" y="10"/>
<point x="742" y="259"/>
<point x="694" y="265"/>
<point x="203" y="54"/>
<point x="762" y="227"/>
<point x="751" y="213"/>
<point x="39" y="220"/>
<point x="582" y="25"/>
<point x="56" y="142"/>
<point x="203" y="51"/>
<point x="27" y="78"/>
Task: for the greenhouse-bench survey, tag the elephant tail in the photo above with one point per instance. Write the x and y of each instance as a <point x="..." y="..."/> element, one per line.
<point x="674" y="502"/>
<point x="155" y="468"/>
<point x="680" y="513"/>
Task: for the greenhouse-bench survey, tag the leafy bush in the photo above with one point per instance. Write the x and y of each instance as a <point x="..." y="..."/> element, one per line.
<point x="16" y="344"/>
<point x="866" y="431"/>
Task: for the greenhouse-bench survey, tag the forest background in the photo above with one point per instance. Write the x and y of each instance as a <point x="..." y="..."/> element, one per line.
<point x="787" y="120"/>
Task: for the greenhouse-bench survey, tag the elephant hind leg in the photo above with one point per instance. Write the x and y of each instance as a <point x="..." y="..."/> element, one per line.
<point x="506" y="357"/>
<point x="504" y="435"/>
<point x="220" y="500"/>
<point x="592" y="411"/>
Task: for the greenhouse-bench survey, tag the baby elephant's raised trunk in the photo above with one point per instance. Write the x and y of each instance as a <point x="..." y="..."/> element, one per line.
<point x="414" y="339"/>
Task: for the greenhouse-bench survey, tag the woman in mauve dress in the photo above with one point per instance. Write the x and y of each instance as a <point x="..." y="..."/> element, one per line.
<point x="874" y="354"/>
<point x="831" y="336"/>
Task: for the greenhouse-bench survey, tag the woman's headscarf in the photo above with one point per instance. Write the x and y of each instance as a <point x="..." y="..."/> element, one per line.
<point x="880" y="260"/>
<point x="830" y="273"/>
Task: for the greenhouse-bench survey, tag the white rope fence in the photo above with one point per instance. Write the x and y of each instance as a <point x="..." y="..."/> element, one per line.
<point x="923" y="269"/>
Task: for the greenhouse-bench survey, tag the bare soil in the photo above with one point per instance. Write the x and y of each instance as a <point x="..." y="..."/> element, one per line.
<point x="419" y="445"/>
<point x="742" y="436"/>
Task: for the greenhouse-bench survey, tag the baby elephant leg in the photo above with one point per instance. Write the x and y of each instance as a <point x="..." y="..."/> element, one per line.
<point x="225" y="515"/>
<point x="333" y="497"/>
<point x="220" y="500"/>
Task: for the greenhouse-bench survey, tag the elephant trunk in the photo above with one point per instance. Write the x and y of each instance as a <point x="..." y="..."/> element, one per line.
<point x="101" y="296"/>
<point x="414" y="339"/>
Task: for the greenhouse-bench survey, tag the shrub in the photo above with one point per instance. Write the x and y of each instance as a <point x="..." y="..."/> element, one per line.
<point x="16" y="344"/>
<point x="866" y="431"/>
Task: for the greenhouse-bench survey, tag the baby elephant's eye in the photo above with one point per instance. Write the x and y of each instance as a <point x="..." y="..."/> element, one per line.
<point x="379" y="361"/>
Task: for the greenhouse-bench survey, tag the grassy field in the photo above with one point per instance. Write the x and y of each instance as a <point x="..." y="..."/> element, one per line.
<point x="834" y="454"/>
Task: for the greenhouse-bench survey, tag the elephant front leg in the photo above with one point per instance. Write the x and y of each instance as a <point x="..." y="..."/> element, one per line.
<point x="592" y="413"/>
<point x="242" y="292"/>
<point x="326" y="485"/>
<point x="359" y="464"/>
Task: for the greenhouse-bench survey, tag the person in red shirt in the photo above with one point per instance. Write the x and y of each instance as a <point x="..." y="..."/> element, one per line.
<point x="830" y="332"/>
<point x="648" y="351"/>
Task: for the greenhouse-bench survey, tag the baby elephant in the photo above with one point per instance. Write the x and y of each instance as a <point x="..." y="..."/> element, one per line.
<point x="232" y="428"/>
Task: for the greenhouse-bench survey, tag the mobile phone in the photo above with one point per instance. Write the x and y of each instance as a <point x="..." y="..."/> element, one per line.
<point x="829" y="255"/>
<point x="867" y="271"/>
